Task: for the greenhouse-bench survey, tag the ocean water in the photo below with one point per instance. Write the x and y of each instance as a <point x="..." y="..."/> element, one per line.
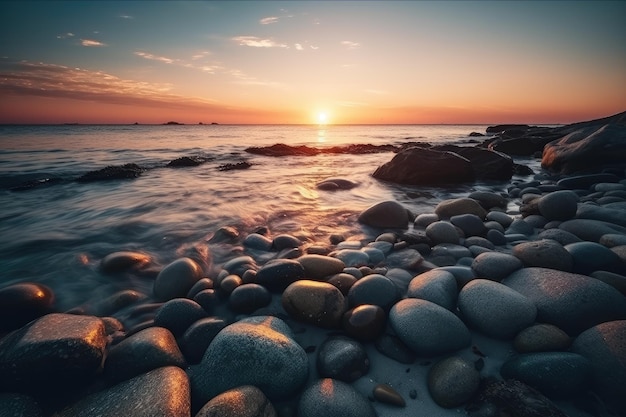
<point x="58" y="232"/>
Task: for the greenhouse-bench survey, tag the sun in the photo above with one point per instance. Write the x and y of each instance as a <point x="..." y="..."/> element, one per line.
<point x="322" y="118"/>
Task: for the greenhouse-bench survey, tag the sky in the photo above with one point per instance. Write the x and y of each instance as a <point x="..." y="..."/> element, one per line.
<point x="274" y="62"/>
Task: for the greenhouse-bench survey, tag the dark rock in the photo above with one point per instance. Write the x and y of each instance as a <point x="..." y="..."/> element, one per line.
<point x="331" y="398"/>
<point x="342" y="358"/>
<point x="280" y="149"/>
<point x="187" y="161"/>
<point x="56" y="349"/>
<point x="19" y="405"/>
<point x="609" y="215"/>
<point x="394" y="348"/>
<point x="248" y="298"/>
<point x="373" y="289"/>
<point x="126" y="171"/>
<point x="144" y="351"/>
<point x="237" y="165"/>
<point x="385" y="394"/>
<point x="178" y="314"/>
<point x="365" y="322"/>
<point x="317" y="303"/>
<point x="207" y="299"/>
<point x="258" y="241"/>
<point x="343" y="282"/>
<point x="541" y="338"/>
<point x="591" y="230"/>
<point x="22" y="303"/>
<point x="488" y="200"/>
<point x="585" y="181"/>
<point x="284" y="241"/>
<point x="457" y="206"/>
<point x="278" y="274"/>
<point x="559" y="205"/>
<point x="486" y="164"/>
<point x="332" y="184"/>
<point x="245" y="401"/>
<point x="123" y="261"/>
<point x="501" y="128"/>
<point x="176" y="279"/>
<point x="452" y="382"/>
<point x="198" y="336"/>
<point x="495" y="265"/>
<point x="318" y="267"/>
<point x="545" y="254"/>
<point x="387" y="214"/>
<point x="161" y="392"/>
<point x="437" y="286"/>
<point x="591" y="256"/>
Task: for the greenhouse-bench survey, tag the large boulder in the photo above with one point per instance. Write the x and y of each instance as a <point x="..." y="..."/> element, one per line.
<point x="486" y="163"/>
<point x="386" y="214"/>
<point x="585" y="149"/>
<point x="418" y="166"/>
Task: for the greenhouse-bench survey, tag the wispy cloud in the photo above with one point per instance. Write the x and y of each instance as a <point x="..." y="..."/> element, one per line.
<point x="350" y="44"/>
<point x="194" y="64"/>
<point x="314" y="47"/>
<point x="299" y="47"/>
<point x="65" y="35"/>
<point x="269" y="20"/>
<point x="257" y="42"/>
<point x="91" y="42"/>
<point x="127" y="17"/>
<point x="200" y="55"/>
<point x="152" y="57"/>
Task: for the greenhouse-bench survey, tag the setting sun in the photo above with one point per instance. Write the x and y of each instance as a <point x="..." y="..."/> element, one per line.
<point x="322" y="118"/>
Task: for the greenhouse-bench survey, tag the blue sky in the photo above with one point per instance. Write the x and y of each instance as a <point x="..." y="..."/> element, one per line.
<point x="288" y="61"/>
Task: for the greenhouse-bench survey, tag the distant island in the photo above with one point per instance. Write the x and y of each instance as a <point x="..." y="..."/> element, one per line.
<point x="173" y="123"/>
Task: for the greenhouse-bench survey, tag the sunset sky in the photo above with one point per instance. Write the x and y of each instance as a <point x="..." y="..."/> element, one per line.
<point x="292" y="61"/>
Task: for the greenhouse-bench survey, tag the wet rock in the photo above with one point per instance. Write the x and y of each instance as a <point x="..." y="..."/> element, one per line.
<point x="452" y="382"/>
<point x="495" y="309"/>
<point x="198" y="336"/>
<point x="284" y="241"/>
<point x="373" y="289"/>
<point x="504" y="219"/>
<point x="570" y="301"/>
<point x="386" y="394"/>
<point x="437" y="286"/>
<point x="161" y="392"/>
<point x="317" y="303"/>
<point x="541" y="338"/>
<point x="342" y="358"/>
<point x="387" y="214"/>
<point x="21" y="303"/>
<point x="442" y="232"/>
<point x="176" y="279"/>
<point x="470" y="224"/>
<point x="352" y="257"/>
<point x="248" y="298"/>
<point x="178" y="314"/>
<point x="561" y="236"/>
<point x="486" y="164"/>
<point x="123" y="261"/>
<point x="245" y="401"/>
<point x="250" y="352"/>
<point x="318" y="267"/>
<point x="186" y="161"/>
<point x="544" y="254"/>
<point x="590" y="256"/>
<point x="554" y="374"/>
<point x="343" y="282"/>
<point x="495" y="265"/>
<point x="457" y="206"/>
<point x="112" y="172"/>
<point x="276" y="275"/>
<point x="591" y="230"/>
<point x="331" y="398"/>
<point x="19" y="405"/>
<point x="56" y="349"/>
<point x="488" y="199"/>
<point x="392" y="347"/>
<point x="427" y="328"/>
<point x="365" y="322"/>
<point x="559" y="205"/>
<point x="258" y="241"/>
<point x="144" y="351"/>
<point x="331" y="184"/>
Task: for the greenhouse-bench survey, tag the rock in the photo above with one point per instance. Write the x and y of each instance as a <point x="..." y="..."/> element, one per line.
<point x="373" y="289"/>
<point x="318" y="303"/>
<point x="258" y="241"/>
<point x="495" y="265"/>
<point x="590" y="256"/>
<point x="488" y="199"/>
<point x="452" y="382"/>
<point x="559" y="205"/>
<point x="604" y="346"/>
<point x="545" y="254"/>
<point x="392" y="347"/>
<point x="504" y="127"/>
<point x="495" y="309"/>
<point x="496" y="237"/>
<point x="342" y="358"/>
<point x="585" y="181"/>
<point x="331" y="398"/>
<point x="161" y="392"/>
<point x="343" y="282"/>
<point x="352" y="257"/>
<point x="376" y="256"/>
<point x="437" y="286"/>
<point x="591" y="230"/>
<point x="240" y="264"/>
<point x="250" y="352"/>
<point x="570" y="301"/>
<point x="365" y="322"/>
<point x="386" y="394"/>
<point x="54" y="350"/>
<point x="149" y="349"/>
<point x="278" y="274"/>
<point x="122" y="261"/>
<point x="521" y="227"/>
<point x="424" y="219"/>
<point x="112" y="172"/>
<point x="612" y="239"/>
<point x="479" y="241"/>
<point x="176" y="279"/>
<point x="486" y="164"/>
<point x="419" y="166"/>
<point x="561" y="236"/>
<point x="207" y="299"/>
<point x="186" y="161"/>
<point x="23" y="302"/>
<point x="470" y="224"/>
<point x="229" y="283"/>
<point x="541" y="338"/>
<point x="554" y="374"/>
<point x="387" y="214"/>
<point x="318" y="267"/>
<point x="331" y="184"/>
<point x="233" y="166"/>
<point x="198" y="336"/>
<point x="616" y="281"/>
<point x="248" y="298"/>
<point x="19" y="405"/>
<point x="427" y="328"/>
<point x="224" y="234"/>
<point x="114" y="303"/>
<point x="442" y="232"/>
<point x="285" y="241"/>
<point x="609" y="215"/>
<point x="244" y="401"/>
<point x="502" y="218"/>
<point x="587" y="148"/>
<point x="178" y="314"/>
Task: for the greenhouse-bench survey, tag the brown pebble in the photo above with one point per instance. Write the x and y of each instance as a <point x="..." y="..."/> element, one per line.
<point x="385" y="394"/>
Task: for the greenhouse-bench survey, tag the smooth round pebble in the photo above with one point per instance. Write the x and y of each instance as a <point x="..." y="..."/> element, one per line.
<point x="331" y="398"/>
<point x="23" y="302"/>
<point x="559" y="205"/>
<point x="198" y="336"/>
<point x="544" y="253"/>
<point x="442" y="232"/>
<point x="318" y="267"/>
<point x="318" y="303"/>
<point x="248" y="298"/>
<point x="495" y="265"/>
<point x="278" y="274"/>
<point x="437" y="286"/>
<point x="373" y="289"/>
<point x="452" y="382"/>
<point x="387" y="214"/>
<point x="244" y="401"/>
<point x="386" y="394"/>
<point x="123" y="261"/>
<point x="471" y="224"/>
<point x="541" y="338"/>
<point x="448" y="208"/>
<point x="342" y="358"/>
<point x="365" y="322"/>
<point x="178" y="314"/>
<point x="588" y="257"/>
<point x="176" y="279"/>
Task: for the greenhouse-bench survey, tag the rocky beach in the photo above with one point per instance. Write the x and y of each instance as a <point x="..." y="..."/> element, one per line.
<point x="506" y="301"/>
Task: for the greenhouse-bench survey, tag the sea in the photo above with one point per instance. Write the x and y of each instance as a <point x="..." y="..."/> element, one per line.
<point x="56" y="230"/>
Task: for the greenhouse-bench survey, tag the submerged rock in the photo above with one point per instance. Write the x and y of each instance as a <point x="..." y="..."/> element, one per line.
<point x="113" y="172"/>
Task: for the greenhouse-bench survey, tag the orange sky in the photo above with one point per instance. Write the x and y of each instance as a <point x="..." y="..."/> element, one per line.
<point x="287" y="62"/>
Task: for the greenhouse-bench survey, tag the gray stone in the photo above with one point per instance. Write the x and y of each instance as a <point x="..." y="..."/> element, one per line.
<point x="376" y="256"/>
<point x="545" y="254"/>
<point x="151" y="348"/>
<point x="612" y="239"/>
<point x="199" y="336"/>
<point x="519" y="226"/>
<point x="405" y="258"/>
<point x="496" y="237"/>
<point x="250" y="353"/>
<point x="570" y="301"/>
<point x="373" y="289"/>
<point x="609" y="215"/>
<point x="541" y="338"/>
<point x="616" y="281"/>
<point x="248" y="298"/>
<point x="561" y="236"/>
<point x="176" y="279"/>
<point x="495" y="309"/>
<point x="424" y="219"/>
<point x="19" y="405"/>
<point x="605" y="346"/>
<point x="453" y="207"/>
<point x="427" y="328"/>
<point x="502" y="218"/>
<point x="585" y="181"/>
<point x="258" y="241"/>
<point x="559" y="205"/>
<point x="479" y="241"/>
<point x="590" y="256"/>
<point x="470" y="224"/>
<point x="387" y="214"/>
<point x="244" y="401"/>
<point x="318" y="267"/>
<point x="450" y="249"/>
<point x="352" y="257"/>
<point x="442" y="232"/>
<point x="463" y="274"/>
<point x="318" y="303"/>
<point x="488" y="199"/>
<point x="495" y="265"/>
<point x="276" y="275"/>
<point x="436" y="286"/>
<point x="452" y="382"/>
<point x="342" y="358"/>
<point x="554" y="374"/>
<point x="331" y="398"/>
<point x="23" y="302"/>
<point x="161" y="392"/>
<point x="178" y="314"/>
<point x="123" y="261"/>
<point x="591" y="230"/>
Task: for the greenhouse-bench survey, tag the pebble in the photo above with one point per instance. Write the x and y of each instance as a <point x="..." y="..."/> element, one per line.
<point x="442" y="232"/>
<point x="612" y="239"/>
<point x="317" y="303"/>
<point x="559" y="235"/>
<point x="352" y="257"/>
<point x="373" y="289"/>
<point x="424" y="219"/>
<point x="178" y="314"/>
<point x="427" y="328"/>
<point x="342" y="358"/>
<point x="375" y="256"/>
<point x="479" y="241"/>
<point x="318" y="267"/>
<point x="176" y="279"/>
<point x="331" y="398"/>
<point x="437" y="286"/>
<point x="541" y="338"/>
<point x="502" y="218"/>
<point x="198" y="336"/>
<point x="452" y="382"/>
<point x="386" y="394"/>
<point x="591" y="230"/>
<point x="559" y="205"/>
<point x="463" y="274"/>
<point x="488" y="199"/>
<point x="450" y="249"/>
<point x="276" y="275"/>
<point x="495" y="309"/>
<point x="23" y="302"/>
<point x="495" y="265"/>
<point x="616" y="281"/>
<point x="392" y="347"/>
<point x="258" y="241"/>
<point x="519" y="226"/>
<point x="448" y="208"/>
<point x="496" y="237"/>
<point x="240" y="264"/>
<point x="591" y="256"/>
<point x="365" y="322"/>
<point x="244" y="401"/>
<point x="343" y="282"/>
<point x="248" y="298"/>
<point x="284" y="241"/>
<point x="409" y="259"/>
<point x="544" y="253"/>
<point x="471" y="224"/>
<point x="228" y="284"/>
<point x="387" y="214"/>
<point x="207" y="299"/>
<point x="122" y="261"/>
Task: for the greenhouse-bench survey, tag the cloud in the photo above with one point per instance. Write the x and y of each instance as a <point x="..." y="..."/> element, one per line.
<point x="127" y="17"/>
<point x="200" y="55"/>
<point x="350" y="44"/>
<point x="257" y="42"/>
<point x="155" y="57"/>
<point x="299" y="47"/>
<point x="91" y="42"/>
<point x="269" y="20"/>
<point x="65" y="35"/>
<point x="314" y="47"/>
